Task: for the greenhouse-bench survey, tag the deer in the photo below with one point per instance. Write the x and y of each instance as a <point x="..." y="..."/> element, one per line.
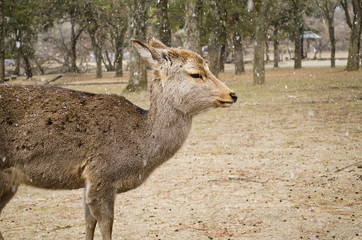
<point x="57" y="138"/>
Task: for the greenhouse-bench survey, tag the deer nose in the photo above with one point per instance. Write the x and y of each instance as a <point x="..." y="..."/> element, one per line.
<point x="234" y="97"/>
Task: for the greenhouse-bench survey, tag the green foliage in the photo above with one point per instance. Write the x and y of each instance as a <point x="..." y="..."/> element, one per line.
<point x="106" y="20"/>
<point x="176" y="14"/>
<point x="23" y="20"/>
<point x="240" y="17"/>
<point x="297" y="10"/>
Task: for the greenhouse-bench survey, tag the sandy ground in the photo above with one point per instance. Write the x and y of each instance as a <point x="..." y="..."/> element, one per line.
<point x="285" y="162"/>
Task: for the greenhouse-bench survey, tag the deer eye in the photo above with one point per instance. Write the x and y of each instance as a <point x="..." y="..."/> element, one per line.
<point x="196" y="75"/>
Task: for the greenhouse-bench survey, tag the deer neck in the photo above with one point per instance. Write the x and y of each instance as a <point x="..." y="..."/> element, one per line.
<point x="168" y="127"/>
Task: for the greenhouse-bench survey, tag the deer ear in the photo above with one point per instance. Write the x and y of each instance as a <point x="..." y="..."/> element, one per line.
<point x="148" y="53"/>
<point x="155" y="43"/>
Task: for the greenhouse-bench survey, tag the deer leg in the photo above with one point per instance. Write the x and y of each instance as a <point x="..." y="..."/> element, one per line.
<point x="8" y="188"/>
<point x="90" y="221"/>
<point x="7" y="195"/>
<point x="100" y="201"/>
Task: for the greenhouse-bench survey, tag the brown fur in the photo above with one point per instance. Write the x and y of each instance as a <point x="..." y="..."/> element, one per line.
<point x="58" y="138"/>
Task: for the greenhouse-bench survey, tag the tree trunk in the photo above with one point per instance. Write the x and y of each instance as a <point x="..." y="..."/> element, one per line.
<point x="328" y="8"/>
<point x="222" y="58"/>
<point x="333" y="43"/>
<point x="40" y="68"/>
<point x="297" y="35"/>
<point x="214" y="54"/>
<point x="73" y="48"/>
<point x="17" y="66"/>
<point x="259" y="67"/>
<point x="267" y="53"/>
<point x="238" y="54"/>
<point x="298" y="52"/>
<point x="289" y="52"/>
<point x="353" y="50"/>
<point x="192" y="29"/>
<point x="259" y="47"/>
<point x="137" y="29"/>
<point x="18" y="52"/>
<point x="306" y="51"/>
<point x="119" y="54"/>
<point x="222" y="39"/>
<point x="98" y="54"/>
<point x="109" y="66"/>
<point x="355" y="37"/>
<point x="238" y="44"/>
<point x="28" y="70"/>
<point x="217" y="37"/>
<point x="2" y="49"/>
<point x="97" y="48"/>
<point x="316" y="44"/>
<point x="276" y="47"/>
<point x="164" y="30"/>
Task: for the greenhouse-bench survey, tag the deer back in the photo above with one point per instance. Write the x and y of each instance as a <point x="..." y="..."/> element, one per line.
<point x="51" y="133"/>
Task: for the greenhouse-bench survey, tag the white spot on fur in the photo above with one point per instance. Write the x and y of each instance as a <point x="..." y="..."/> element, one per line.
<point x="4" y="159"/>
<point x="144" y="162"/>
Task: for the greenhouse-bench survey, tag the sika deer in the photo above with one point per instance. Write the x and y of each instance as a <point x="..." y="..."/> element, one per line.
<point x="58" y="138"/>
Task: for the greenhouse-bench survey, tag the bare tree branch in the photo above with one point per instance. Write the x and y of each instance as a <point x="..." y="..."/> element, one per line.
<point x="344" y="4"/>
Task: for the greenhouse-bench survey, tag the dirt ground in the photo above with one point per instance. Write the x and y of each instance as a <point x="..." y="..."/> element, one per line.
<point x="285" y="162"/>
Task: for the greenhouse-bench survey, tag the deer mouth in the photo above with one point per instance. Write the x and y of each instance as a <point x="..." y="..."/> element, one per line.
<point x="225" y="103"/>
<point x="228" y="103"/>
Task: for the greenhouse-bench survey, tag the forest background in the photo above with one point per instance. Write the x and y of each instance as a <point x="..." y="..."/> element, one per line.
<point x="59" y="36"/>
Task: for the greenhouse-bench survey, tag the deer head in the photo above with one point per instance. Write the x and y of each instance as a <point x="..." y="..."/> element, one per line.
<point x="185" y="78"/>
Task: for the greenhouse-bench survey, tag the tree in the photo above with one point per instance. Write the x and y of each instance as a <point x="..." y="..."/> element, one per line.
<point x="261" y="27"/>
<point x="24" y="20"/>
<point x="163" y="22"/>
<point x="73" y="11"/>
<point x="223" y="34"/>
<point x="355" y="37"/>
<point x="22" y="28"/>
<point x="298" y="11"/>
<point x="176" y="14"/>
<point x="94" y="21"/>
<point x="276" y="46"/>
<point x="279" y="18"/>
<point x="328" y="7"/>
<point x="117" y="20"/>
<point x="2" y="48"/>
<point x="239" y="26"/>
<point x="288" y="18"/>
<point x="192" y="27"/>
<point x="137" y="30"/>
<point x="217" y="35"/>
<point x="238" y="53"/>
<point x="69" y="11"/>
